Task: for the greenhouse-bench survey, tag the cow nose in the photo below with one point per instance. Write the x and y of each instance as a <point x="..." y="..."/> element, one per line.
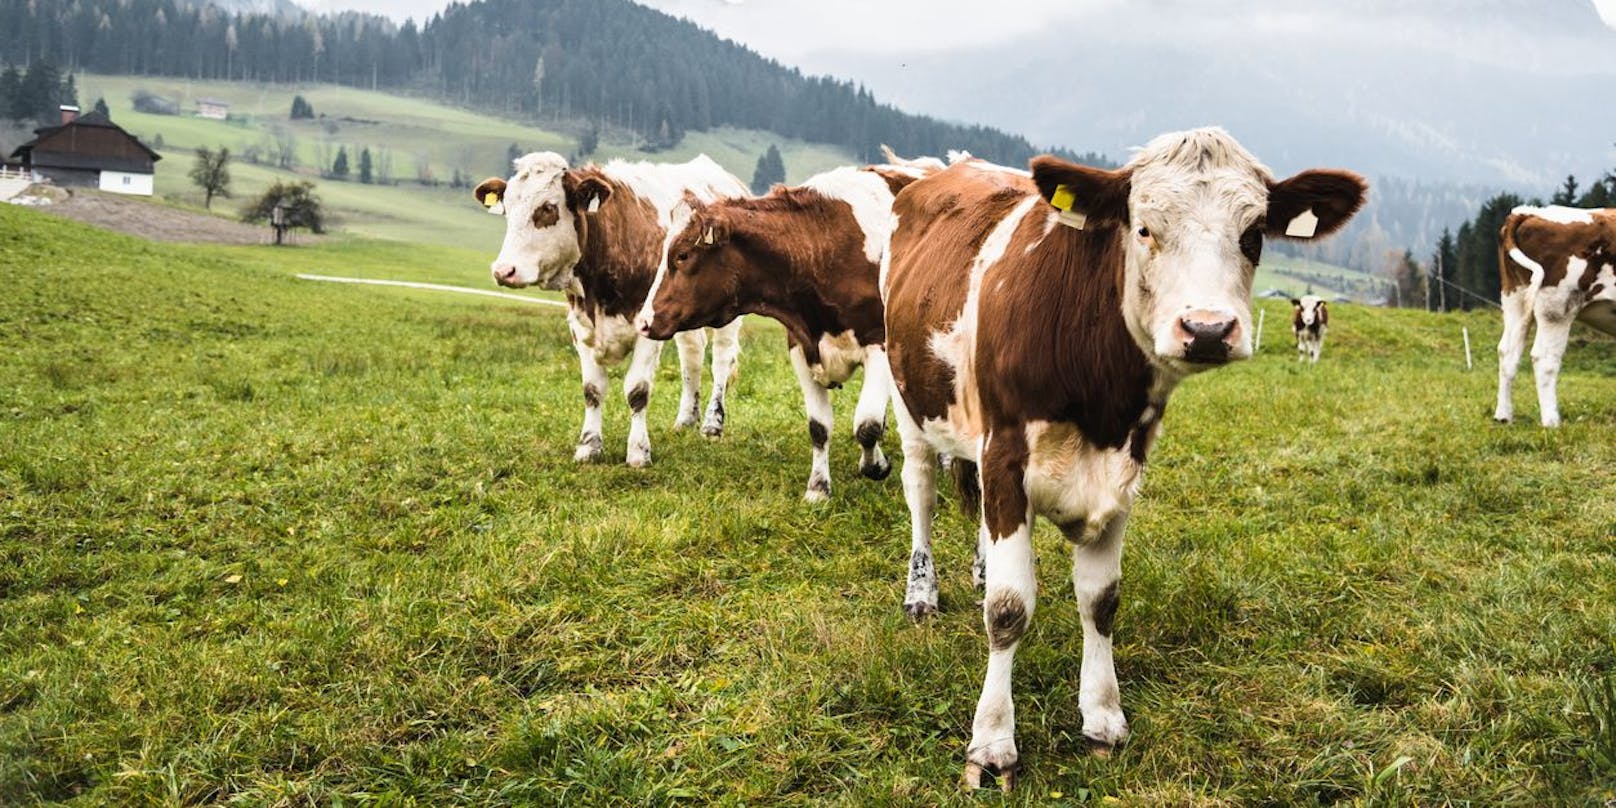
<point x="505" y="273"/>
<point x="643" y="323"/>
<point x="1207" y="336"/>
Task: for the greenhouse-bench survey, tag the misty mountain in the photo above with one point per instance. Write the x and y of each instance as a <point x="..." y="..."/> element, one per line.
<point x="1469" y="91"/>
<point x="273" y="8"/>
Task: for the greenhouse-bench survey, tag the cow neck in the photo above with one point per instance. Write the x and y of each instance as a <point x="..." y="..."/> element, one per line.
<point x="1067" y="352"/>
<point x="619" y="246"/>
<point x="793" y="278"/>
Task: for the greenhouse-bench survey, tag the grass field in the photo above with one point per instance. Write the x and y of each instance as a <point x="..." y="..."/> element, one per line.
<point x="414" y="130"/>
<point x="269" y="542"/>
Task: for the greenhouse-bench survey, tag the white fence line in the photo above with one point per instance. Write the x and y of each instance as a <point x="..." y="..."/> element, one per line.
<point x="436" y="287"/>
<point x="8" y="173"/>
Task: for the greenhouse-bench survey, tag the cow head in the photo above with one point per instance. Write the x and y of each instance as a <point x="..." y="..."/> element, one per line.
<point x="545" y="206"/>
<point x="1309" y="310"/>
<point x="1194" y="208"/>
<point x="695" y="283"/>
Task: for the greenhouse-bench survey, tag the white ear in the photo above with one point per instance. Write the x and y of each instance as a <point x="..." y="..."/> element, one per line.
<point x="1303" y="226"/>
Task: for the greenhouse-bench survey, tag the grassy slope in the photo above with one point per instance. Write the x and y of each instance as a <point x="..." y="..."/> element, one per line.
<point x="281" y="542"/>
<point x="413" y="129"/>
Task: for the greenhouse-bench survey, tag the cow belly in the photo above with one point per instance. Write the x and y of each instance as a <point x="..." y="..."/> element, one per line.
<point x="839" y="356"/>
<point x="1076" y="485"/>
<point x="608" y="338"/>
<point x="1600" y="314"/>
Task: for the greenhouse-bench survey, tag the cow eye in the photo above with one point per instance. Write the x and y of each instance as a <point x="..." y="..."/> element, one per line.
<point x="682" y="257"/>
<point x="1251" y="244"/>
<point x="1144" y="232"/>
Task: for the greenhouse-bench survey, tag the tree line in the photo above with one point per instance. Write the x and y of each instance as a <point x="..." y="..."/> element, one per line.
<point x="36" y="94"/>
<point x="579" y="62"/>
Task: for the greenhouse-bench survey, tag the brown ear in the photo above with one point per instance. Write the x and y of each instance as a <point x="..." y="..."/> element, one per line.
<point x="1296" y="303"/>
<point x="1094" y="192"/>
<point x="711" y="230"/>
<point x="896" y="180"/>
<point x="490" y="192"/>
<point x="1314" y="203"/>
<point x="585" y="190"/>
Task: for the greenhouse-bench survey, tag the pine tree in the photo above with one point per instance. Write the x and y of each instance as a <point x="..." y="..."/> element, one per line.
<point x="1567" y="195"/>
<point x="339" y="168"/>
<point x="101" y="107"/>
<point x="11" y="94"/>
<point x="771" y="169"/>
<point x="364" y="166"/>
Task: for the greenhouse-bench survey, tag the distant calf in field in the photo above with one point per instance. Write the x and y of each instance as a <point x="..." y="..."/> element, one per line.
<point x="1555" y="265"/>
<point x="597" y="233"/>
<point x="809" y="257"/>
<point x="1036" y="326"/>
<point x="1311" y="320"/>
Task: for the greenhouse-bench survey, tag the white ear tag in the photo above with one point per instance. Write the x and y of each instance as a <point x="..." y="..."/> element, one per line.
<point x="1072" y="219"/>
<point x="707" y="237"/>
<point x="1303" y="226"/>
<point x="594" y="204"/>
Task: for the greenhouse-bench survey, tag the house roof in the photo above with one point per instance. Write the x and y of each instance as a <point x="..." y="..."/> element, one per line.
<point x="108" y="148"/>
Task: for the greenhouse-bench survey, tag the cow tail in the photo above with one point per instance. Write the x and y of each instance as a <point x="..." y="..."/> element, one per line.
<point x="970" y="490"/>
<point x="1507" y="279"/>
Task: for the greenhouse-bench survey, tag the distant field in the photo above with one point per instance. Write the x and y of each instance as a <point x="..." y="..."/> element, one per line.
<point x="415" y="131"/>
<point x="270" y="542"/>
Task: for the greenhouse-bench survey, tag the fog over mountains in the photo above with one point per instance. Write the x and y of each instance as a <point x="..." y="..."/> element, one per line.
<point x="1472" y="91"/>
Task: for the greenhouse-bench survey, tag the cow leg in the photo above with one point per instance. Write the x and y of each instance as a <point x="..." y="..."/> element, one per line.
<point x="692" y="347"/>
<point x="589" y="440"/>
<point x="920" y="493"/>
<point x="1096" y="569"/>
<point x="816" y="401"/>
<point x="1301" y="348"/>
<point x="1553" y="332"/>
<point x="1007" y="606"/>
<point x="870" y="417"/>
<point x="1318" y="347"/>
<point x="726" y="351"/>
<point x="1517" y="316"/>
<point x="637" y="391"/>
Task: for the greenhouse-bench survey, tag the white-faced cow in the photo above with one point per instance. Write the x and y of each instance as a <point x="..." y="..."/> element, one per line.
<point x="598" y="233"/>
<point x="1310" y="321"/>
<point x="1556" y="265"/>
<point x="809" y="257"/>
<point x="1035" y="328"/>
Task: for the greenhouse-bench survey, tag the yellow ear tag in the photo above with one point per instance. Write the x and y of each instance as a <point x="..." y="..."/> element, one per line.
<point x="707" y="237"/>
<point x="1063" y="198"/>
<point x="490" y="199"/>
<point x="1305" y="225"/>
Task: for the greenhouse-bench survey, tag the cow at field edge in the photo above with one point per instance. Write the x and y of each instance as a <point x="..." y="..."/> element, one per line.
<point x="597" y="232"/>
<point x="1555" y="265"/>
<point x="1311" y="319"/>
<point x="808" y="257"/>
<point x="1035" y="328"/>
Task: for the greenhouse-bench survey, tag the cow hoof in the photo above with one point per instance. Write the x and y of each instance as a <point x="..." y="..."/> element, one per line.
<point x="589" y="450"/>
<point x="816" y="495"/>
<point x="919" y="610"/>
<point x="685" y="422"/>
<point x="876" y="471"/>
<point x="983" y="775"/>
<point x="639" y="458"/>
<point x="1551" y="423"/>
<point x="1502" y="420"/>
<point x="1105" y="729"/>
<point x="713" y="430"/>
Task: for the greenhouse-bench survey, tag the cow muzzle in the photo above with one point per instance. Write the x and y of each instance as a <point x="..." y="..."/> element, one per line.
<point x="651" y="329"/>
<point x="507" y="275"/>
<point x="1207" y="337"/>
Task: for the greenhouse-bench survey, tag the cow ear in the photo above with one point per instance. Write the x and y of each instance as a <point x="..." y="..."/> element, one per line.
<point x="491" y="193"/>
<point x="1296" y="303"/>
<point x="1314" y="203"/>
<point x="585" y="192"/>
<point x="712" y="231"/>
<point x="1081" y="192"/>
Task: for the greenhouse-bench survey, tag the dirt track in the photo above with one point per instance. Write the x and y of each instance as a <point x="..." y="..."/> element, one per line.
<point x="150" y="220"/>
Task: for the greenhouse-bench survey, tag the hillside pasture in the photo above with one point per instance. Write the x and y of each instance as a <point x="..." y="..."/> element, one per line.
<point x="265" y="541"/>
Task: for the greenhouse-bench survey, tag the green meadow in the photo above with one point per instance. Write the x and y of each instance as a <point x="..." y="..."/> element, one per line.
<point x="272" y="542"/>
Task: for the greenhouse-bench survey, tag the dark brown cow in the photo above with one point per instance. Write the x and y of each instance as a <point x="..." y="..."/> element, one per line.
<point x="597" y="233"/>
<point x="1555" y="265"/>
<point x="809" y="257"/>
<point x="1035" y="327"/>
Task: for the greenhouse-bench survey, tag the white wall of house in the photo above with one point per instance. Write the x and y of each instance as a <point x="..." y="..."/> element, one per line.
<point x="123" y="182"/>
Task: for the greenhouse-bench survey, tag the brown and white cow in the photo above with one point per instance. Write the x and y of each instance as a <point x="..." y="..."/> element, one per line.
<point x="1035" y="328"/>
<point x="1556" y="265"/>
<point x="597" y="233"/>
<point x="1310" y="321"/>
<point x="809" y="257"/>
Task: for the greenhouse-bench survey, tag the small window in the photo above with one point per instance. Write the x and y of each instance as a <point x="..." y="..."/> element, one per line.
<point x="126" y="179"/>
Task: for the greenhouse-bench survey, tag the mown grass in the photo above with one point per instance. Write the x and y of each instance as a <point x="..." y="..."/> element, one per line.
<point x="264" y="541"/>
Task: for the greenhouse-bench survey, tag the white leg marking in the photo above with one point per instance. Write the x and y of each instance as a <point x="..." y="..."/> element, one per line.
<point x="692" y="349"/>
<point x="870" y="417"/>
<point x="637" y="391"/>
<point x="816" y="401"/>
<point x="1553" y="332"/>
<point x="1012" y="592"/>
<point x="594" y="380"/>
<point x="920" y="493"/>
<point x="726" y="352"/>
<point x="1517" y="317"/>
<point x="1096" y="570"/>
